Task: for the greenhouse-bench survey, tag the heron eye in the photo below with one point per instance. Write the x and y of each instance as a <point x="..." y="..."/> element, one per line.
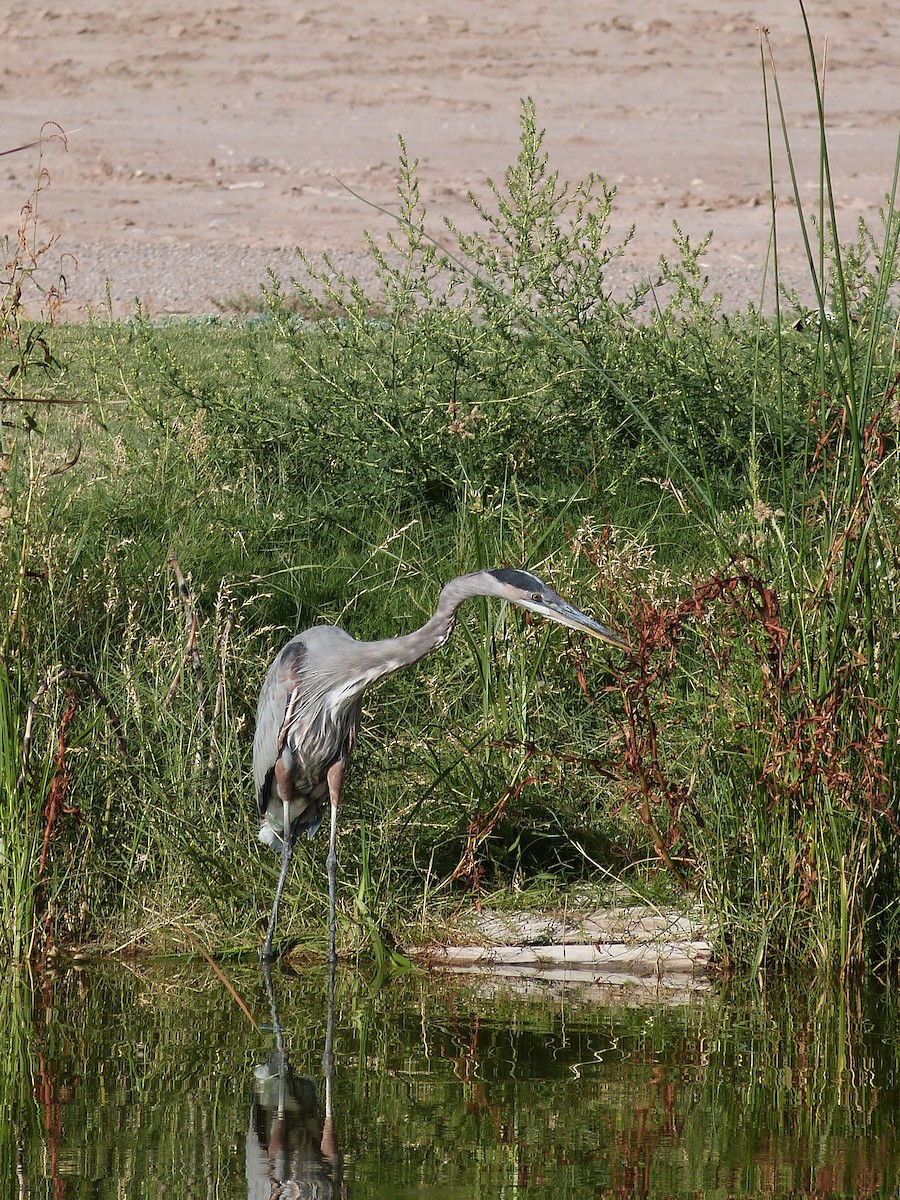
<point x="537" y="597"/>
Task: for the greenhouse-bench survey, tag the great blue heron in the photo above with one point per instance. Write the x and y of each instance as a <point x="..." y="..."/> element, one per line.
<point x="310" y="706"/>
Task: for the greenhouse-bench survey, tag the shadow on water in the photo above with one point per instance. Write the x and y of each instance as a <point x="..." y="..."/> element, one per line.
<point x="146" y="1080"/>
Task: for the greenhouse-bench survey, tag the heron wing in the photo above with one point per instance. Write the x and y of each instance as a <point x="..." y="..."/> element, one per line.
<point x="281" y="692"/>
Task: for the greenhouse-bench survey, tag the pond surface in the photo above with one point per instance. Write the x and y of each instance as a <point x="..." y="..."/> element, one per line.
<point x="152" y="1081"/>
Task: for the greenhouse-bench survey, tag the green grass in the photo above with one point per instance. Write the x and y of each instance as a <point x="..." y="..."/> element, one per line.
<point x="722" y="487"/>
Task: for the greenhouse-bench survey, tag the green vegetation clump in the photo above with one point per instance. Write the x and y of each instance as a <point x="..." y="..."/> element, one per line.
<point x="722" y="488"/>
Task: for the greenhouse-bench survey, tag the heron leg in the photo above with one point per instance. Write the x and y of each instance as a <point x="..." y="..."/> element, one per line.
<point x="283" y="783"/>
<point x="335" y="779"/>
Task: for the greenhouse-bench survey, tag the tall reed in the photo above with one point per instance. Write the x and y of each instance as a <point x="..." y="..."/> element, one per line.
<point x="787" y="821"/>
<point x="818" y="865"/>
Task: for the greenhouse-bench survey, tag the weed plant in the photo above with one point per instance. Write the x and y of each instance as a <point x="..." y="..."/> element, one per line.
<point x="721" y="487"/>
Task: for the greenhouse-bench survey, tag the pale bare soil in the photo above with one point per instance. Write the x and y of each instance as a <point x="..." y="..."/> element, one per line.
<point x="206" y="140"/>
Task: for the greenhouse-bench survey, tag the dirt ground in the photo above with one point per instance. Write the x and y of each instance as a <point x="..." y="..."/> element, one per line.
<point x="206" y="140"/>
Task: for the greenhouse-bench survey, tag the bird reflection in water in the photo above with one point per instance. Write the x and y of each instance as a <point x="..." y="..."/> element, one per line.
<point x="292" y="1152"/>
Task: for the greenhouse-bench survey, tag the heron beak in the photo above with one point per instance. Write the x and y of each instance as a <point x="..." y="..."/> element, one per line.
<point x="567" y="614"/>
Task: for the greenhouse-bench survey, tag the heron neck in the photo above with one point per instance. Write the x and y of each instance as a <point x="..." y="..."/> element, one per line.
<point x="392" y="654"/>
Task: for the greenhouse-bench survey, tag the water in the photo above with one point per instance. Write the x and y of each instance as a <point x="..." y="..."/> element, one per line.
<point x="150" y="1081"/>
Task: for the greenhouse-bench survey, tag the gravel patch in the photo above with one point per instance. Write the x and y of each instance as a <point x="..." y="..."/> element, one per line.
<point x="201" y="280"/>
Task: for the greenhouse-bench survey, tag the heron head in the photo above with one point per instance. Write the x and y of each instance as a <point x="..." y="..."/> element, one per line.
<point x="527" y="591"/>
